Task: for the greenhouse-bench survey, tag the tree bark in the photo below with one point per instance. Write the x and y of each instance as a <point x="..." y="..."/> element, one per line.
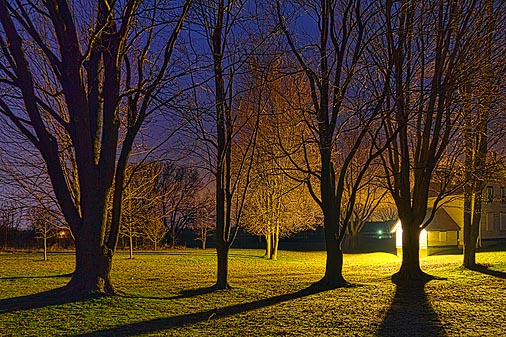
<point x="93" y="267"/>
<point x="45" y="247"/>
<point x="203" y="238"/>
<point x="473" y="232"/>
<point x="333" y="277"/>
<point x="131" y="248"/>
<point x="268" y="247"/>
<point x="275" y="243"/>
<point x="410" y="267"/>
<point x="222" y="255"/>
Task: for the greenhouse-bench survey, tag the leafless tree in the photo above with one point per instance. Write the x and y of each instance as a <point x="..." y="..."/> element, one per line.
<point x="227" y="31"/>
<point x="427" y="43"/>
<point x="483" y="100"/>
<point x="178" y="187"/>
<point x="78" y="80"/>
<point x="345" y="98"/>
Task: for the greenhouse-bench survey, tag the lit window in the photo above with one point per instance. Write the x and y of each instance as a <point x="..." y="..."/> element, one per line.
<point x="490" y="193"/>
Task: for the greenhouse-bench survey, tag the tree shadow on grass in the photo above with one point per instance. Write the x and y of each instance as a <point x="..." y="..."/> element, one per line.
<point x="58" y="296"/>
<point x="411" y="314"/>
<point x="161" y="324"/>
<point x="183" y="294"/>
<point x="35" y="277"/>
<point x="485" y="270"/>
<point x="40" y="300"/>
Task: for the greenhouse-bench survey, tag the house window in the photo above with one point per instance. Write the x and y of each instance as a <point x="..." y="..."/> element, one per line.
<point x="503" y="221"/>
<point x="503" y="195"/>
<point x="490" y="193"/>
<point x="490" y="222"/>
<point x="442" y="236"/>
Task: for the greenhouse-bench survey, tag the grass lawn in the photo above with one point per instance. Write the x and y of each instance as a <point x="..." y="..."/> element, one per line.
<point x="165" y="295"/>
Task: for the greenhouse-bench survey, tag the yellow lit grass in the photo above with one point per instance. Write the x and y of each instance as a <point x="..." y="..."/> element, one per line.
<point x="160" y="299"/>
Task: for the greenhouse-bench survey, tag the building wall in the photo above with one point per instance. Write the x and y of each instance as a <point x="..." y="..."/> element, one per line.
<point x="493" y="216"/>
<point x="442" y="238"/>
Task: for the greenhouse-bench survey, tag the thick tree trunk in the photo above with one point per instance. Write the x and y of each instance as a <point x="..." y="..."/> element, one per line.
<point x="472" y="229"/>
<point x="92" y="275"/>
<point x="222" y="254"/>
<point x="333" y="277"/>
<point x="410" y="268"/>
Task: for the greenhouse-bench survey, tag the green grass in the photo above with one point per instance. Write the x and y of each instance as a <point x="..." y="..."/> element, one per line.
<point x="269" y="298"/>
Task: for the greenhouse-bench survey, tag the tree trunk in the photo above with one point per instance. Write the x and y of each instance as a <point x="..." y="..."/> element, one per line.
<point x="353" y="237"/>
<point x="130" y="239"/>
<point x="275" y="243"/>
<point x="44" y="239"/>
<point x="473" y="232"/>
<point x="203" y="238"/>
<point x="268" y="245"/>
<point x="92" y="275"/>
<point x="410" y="268"/>
<point x="333" y="277"/>
<point x="222" y="254"/>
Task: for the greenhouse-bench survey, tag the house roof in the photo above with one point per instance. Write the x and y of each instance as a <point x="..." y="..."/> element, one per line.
<point x="374" y="226"/>
<point x="442" y="221"/>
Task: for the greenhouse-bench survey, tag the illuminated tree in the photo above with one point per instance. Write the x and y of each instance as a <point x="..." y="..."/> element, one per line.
<point x="343" y="100"/>
<point x="79" y="83"/>
<point x="44" y="228"/>
<point x="140" y="200"/>
<point x="427" y="43"/>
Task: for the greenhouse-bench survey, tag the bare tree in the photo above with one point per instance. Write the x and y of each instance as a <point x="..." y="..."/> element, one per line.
<point x="140" y="201"/>
<point x="44" y="229"/>
<point x="427" y="43"/>
<point x="337" y="76"/>
<point x="178" y="187"/>
<point x="482" y="101"/>
<point x="228" y="149"/>
<point x="79" y="83"/>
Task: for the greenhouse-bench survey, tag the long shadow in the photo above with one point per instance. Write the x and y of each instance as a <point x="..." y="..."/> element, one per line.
<point x="58" y="297"/>
<point x="40" y="300"/>
<point x="161" y="324"/>
<point x="183" y="294"/>
<point x="35" y="277"/>
<point x="485" y="270"/>
<point x="411" y="314"/>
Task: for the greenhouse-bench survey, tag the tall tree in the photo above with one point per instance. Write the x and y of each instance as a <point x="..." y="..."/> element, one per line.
<point x="79" y="83"/>
<point x="331" y="54"/>
<point x="228" y="147"/>
<point x="482" y="99"/>
<point x="427" y="43"/>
